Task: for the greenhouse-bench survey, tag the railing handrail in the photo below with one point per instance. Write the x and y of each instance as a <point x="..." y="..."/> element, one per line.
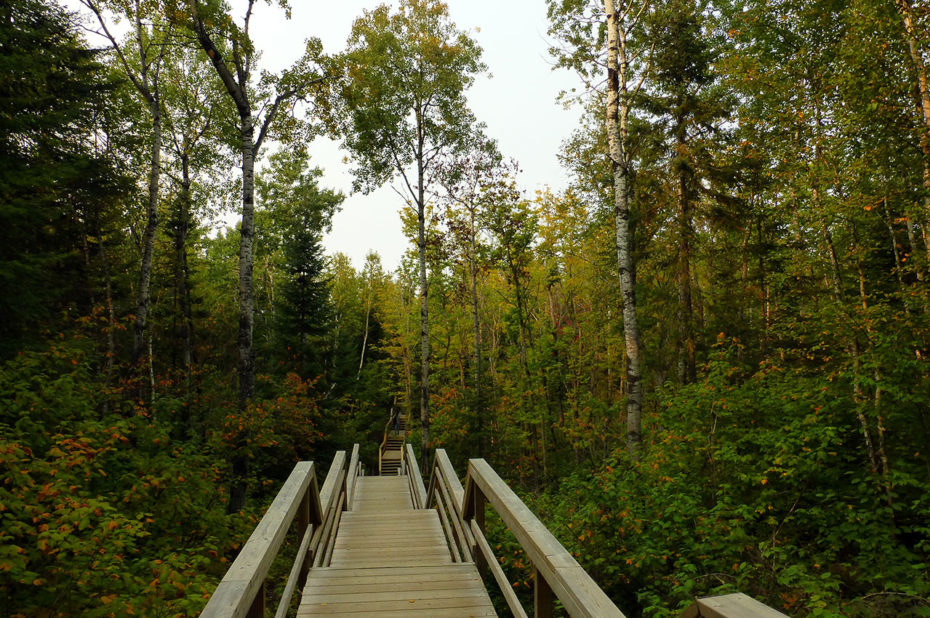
<point x="736" y="605"/>
<point x="414" y="479"/>
<point x="354" y="471"/>
<point x="241" y="592"/>
<point x="445" y="491"/>
<point x="236" y="593"/>
<point x="557" y="572"/>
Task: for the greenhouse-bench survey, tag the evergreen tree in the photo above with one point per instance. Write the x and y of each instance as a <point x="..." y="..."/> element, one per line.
<point x="294" y="214"/>
<point x="53" y="185"/>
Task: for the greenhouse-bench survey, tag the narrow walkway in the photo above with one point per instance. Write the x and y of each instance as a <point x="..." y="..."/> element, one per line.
<point x="392" y="560"/>
<point x="392" y="447"/>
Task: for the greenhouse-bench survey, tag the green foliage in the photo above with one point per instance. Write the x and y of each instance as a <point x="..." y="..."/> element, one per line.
<point x="403" y="92"/>
<point x="101" y="513"/>
<point x="54" y="186"/>
<point x="755" y="481"/>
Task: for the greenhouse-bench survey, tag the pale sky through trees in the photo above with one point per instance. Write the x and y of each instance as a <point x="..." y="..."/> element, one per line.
<point x="517" y="103"/>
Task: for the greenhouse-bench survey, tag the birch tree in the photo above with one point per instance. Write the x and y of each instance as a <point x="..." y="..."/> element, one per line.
<point x="918" y="55"/>
<point x="403" y="113"/>
<point x="260" y="107"/>
<point x="141" y="56"/>
<point x="586" y="31"/>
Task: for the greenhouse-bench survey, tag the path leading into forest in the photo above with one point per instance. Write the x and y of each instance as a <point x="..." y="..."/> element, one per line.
<point x="390" y="559"/>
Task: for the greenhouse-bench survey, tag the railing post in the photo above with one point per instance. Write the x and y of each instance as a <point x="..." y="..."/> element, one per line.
<point x="257" y="610"/>
<point x="303" y="522"/>
<point x="479" y="502"/>
<point x="543" y="599"/>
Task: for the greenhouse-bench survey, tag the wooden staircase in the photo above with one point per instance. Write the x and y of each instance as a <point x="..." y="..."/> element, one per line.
<point x="390" y="456"/>
<point x="390" y="559"/>
<point x="393" y="546"/>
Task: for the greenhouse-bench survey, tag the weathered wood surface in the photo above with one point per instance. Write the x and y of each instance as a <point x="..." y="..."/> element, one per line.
<point x="417" y="488"/>
<point x="730" y="606"/>
<point x="570" y="583"/>
<point x="390" y="559"/>
<point x="241" y="585"/>
<point x="499" y="576"/>
<point x="353" y="474"/>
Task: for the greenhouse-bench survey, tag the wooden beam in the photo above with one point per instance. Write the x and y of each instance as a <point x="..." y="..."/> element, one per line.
<point x="451" y="478"/>
<point x="543" y="599"/>
<point x="414" y="471"/>
<point x="572" y="585"/>
<point x="242" y="584"/>
<point x="484" y="548"/>
<point x="736" y="605"/>
<point x="352" y="476"/>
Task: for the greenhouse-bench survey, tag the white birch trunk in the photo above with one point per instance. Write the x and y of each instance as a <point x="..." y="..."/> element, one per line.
<point x="617" y="118"/>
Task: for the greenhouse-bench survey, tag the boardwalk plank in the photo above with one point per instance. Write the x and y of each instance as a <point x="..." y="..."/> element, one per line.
<point x="392" y="560"/>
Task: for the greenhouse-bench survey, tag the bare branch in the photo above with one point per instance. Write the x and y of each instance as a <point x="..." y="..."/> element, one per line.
<point x="140" y="85"/>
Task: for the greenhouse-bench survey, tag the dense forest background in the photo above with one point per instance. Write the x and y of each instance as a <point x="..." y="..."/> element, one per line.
<point x="775" y="161"/>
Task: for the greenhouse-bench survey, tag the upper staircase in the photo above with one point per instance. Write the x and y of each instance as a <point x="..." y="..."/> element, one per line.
<point x="390" y="453"/>
<point x="392" y="546"/>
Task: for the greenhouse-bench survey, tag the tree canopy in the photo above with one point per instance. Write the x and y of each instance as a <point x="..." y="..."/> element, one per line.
<point x="703" y="361"/>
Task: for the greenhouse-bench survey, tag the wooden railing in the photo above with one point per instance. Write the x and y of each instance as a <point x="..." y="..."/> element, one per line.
<point x="242" y="591"/>
<point x="730" y="606"/>
<point x="387" y="432"/>
<point x="462" y="512"/>
<point x="557" y="574"/>
<point x="445" y="493"/>
<point x="411" y="470"/>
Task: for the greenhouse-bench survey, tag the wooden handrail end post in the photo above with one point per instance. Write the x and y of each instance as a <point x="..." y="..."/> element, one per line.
<point x="737" y="605"/>
<point x="257" y="610"/>
<point x="478" y="504"/>
<point x="543" y="598"/>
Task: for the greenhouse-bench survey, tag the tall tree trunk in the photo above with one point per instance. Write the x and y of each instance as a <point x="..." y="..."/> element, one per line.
<point x="894" y="245"/>
<point x="111" y="331"/>
<point x="617" y="118"/>
<point x="424" y="317"/>
<point x="686" y="362"/>
<point x="237" y="87"/>
<point x="912" y="242"/>
<point x="476" y="326"/>
<point x="148" y="237"/>
<point x="247" y="234"/>
<point x="240" y="461"/>
<point x="904" y="7"/>
<point x="182" y="276"/>
<point x="361" y="360"/>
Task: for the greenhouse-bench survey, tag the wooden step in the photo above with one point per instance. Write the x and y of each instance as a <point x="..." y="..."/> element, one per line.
<point x="390" y="559"/>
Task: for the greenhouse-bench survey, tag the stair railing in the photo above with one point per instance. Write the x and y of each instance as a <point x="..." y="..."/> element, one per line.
<point x="462" y="513"/>
<point x="557" y="574"/>
<point x="446" y="495"/>
<point x="242" y="591"/>
<point x="411" y="470"/>
<point x="387" y="432"/>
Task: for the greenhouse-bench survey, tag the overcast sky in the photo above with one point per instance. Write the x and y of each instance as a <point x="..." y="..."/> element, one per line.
<point x="517" y="102"/>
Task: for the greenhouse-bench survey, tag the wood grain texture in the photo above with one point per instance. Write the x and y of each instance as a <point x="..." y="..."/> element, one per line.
<point x="390" y="559"/>
<point x="243" y="582"/>
<point x="731" y="606"/>
<point x="571" y="584"/>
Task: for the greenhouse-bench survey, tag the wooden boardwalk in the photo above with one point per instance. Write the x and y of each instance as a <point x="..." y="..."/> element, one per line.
<point x="388" y="546"/>
<point x="390" y="559"/>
